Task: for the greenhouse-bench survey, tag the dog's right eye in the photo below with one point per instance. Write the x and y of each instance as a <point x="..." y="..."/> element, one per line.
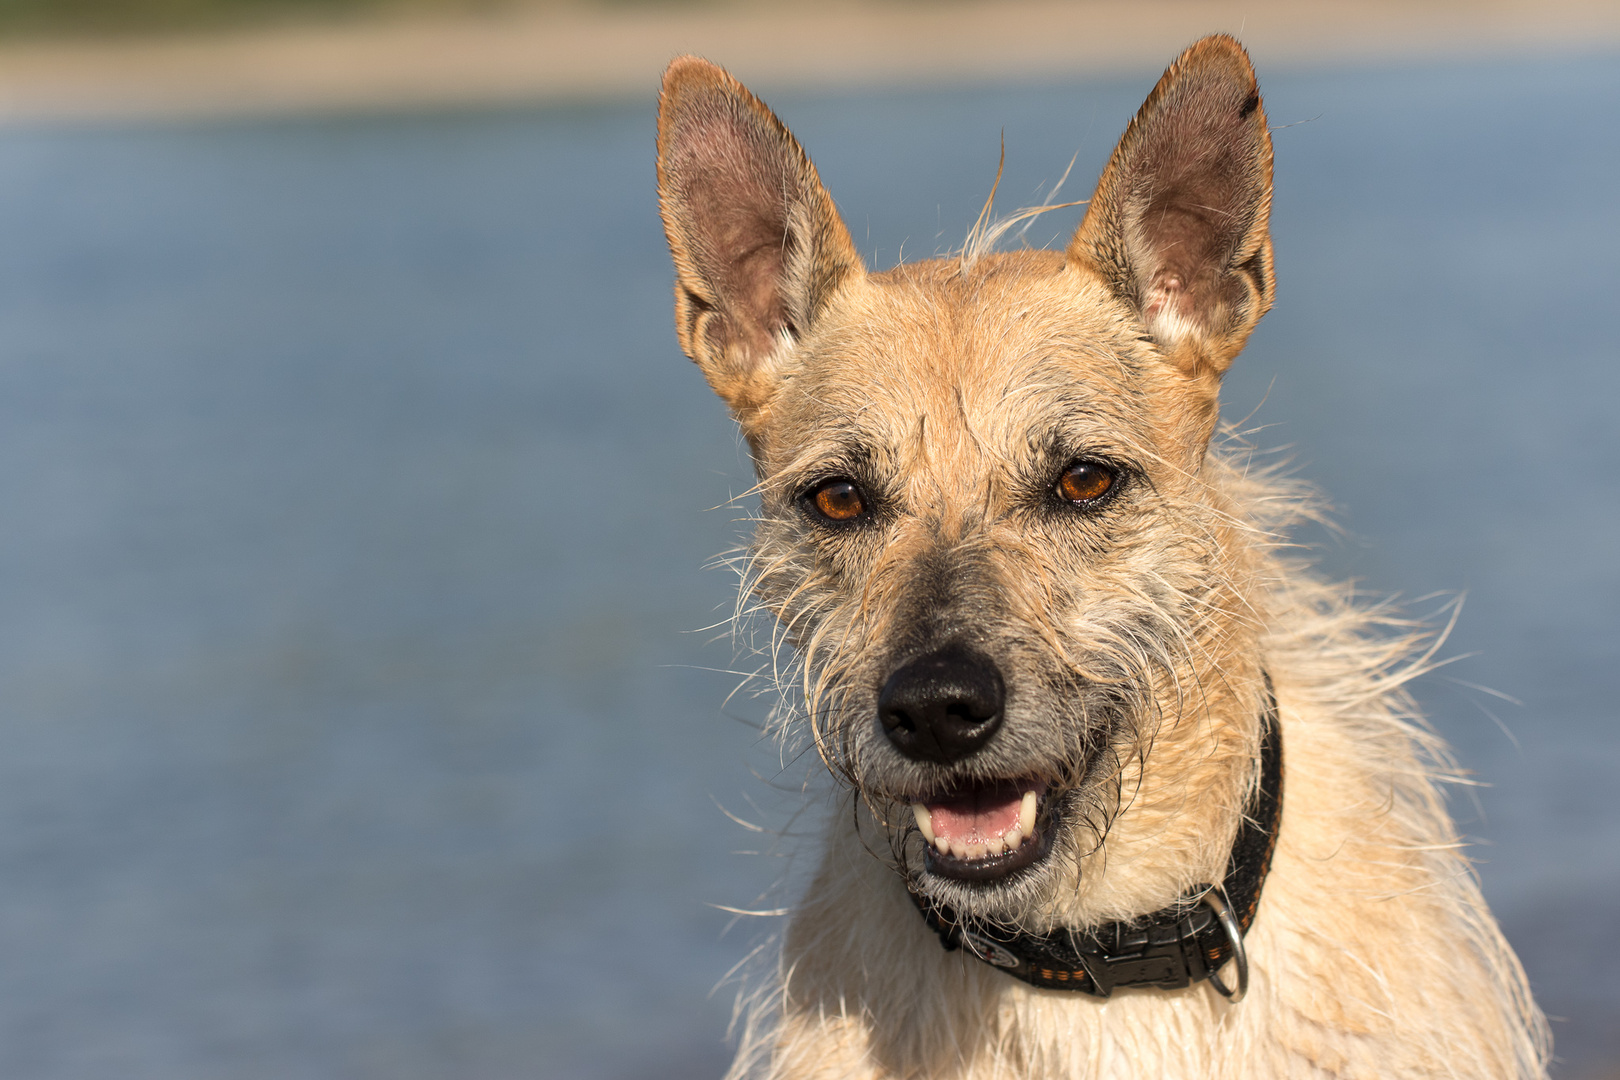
<point x="837" y="500"/>
<point x="1084" y="482"/>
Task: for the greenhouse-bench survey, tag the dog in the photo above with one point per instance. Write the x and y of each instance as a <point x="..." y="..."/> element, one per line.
<point x="1128" y="791"/>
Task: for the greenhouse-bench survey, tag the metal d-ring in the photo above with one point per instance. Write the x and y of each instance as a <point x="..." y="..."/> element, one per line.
<point x="1216" y="899"/>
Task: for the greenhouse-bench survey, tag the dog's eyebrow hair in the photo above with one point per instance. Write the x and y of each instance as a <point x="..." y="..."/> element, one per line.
<point x="1085" y="428"/>
<point x="852" y="456"/>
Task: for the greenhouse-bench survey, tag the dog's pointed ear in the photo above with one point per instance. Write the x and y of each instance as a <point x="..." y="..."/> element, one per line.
<point x="1178" y="227"/>
<point x="759" y="247"/>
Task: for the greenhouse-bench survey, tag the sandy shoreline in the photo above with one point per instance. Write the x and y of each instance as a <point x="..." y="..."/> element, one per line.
<point x="579" y="54"/>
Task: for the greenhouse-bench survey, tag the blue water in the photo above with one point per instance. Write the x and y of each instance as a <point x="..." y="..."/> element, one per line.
<point x="357" y="502"/>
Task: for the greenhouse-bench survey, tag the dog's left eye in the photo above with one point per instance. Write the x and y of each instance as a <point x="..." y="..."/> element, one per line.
<point x="837" y="500"/>
<point x="1086" y="482"/>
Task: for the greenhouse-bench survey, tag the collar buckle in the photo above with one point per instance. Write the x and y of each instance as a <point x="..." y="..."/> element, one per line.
<point x="1168" y="955"/>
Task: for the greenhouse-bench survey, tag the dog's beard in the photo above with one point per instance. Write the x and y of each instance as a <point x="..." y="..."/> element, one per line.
<point x="1072" y="754"/>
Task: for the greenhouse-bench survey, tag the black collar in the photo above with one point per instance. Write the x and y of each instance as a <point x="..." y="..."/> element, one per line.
<point x="1171" y="948"/>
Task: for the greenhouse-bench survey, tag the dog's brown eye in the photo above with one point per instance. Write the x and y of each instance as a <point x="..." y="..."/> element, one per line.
<point x="838" y="500"/>
<point x="1086" y="481"/>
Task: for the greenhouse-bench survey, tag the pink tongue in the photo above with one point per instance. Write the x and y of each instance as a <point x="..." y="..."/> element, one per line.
<point x="976" y="817"/>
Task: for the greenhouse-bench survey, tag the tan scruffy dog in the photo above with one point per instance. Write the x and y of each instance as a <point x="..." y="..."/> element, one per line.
<point x="1129" y="793"/>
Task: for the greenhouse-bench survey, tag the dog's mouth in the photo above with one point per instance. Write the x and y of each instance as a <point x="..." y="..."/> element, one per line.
<point x="984" y="831"/>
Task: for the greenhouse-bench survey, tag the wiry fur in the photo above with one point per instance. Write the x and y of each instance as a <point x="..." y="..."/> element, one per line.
<point x="1135" y="634"/>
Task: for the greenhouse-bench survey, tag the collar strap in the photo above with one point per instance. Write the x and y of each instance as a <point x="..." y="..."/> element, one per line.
<point x="1174" y="947"/>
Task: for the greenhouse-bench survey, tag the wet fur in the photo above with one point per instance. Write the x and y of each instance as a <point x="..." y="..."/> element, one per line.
<point x="1135" y="635"/>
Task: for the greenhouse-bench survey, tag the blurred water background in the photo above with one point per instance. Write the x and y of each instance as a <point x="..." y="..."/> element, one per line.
<point x="357" y="501"/>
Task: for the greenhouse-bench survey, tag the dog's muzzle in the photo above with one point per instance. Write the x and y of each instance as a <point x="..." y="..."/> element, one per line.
<point x="943" y="708"/>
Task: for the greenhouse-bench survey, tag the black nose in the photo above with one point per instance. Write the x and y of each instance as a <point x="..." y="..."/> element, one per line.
<point x="942" y="706"/>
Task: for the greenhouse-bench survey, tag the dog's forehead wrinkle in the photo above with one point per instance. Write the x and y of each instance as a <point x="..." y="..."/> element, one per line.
<point x="906" y="364"/>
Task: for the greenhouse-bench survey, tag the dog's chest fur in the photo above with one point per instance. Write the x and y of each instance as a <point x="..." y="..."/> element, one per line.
<point x="1035" y="619"/>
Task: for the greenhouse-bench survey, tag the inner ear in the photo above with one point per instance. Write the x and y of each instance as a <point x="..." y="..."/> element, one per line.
<point x="733" y="194"/>
<point x="1179" y="224"/>
<point x="759" y="247"/>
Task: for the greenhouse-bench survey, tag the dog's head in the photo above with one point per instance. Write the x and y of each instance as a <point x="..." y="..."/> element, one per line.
<point x="989" y="523"/>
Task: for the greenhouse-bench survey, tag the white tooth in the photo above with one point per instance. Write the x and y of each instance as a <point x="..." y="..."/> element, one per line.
<point x="1026" y="814"/>
<point x="942" y="845"/>
<point x="925" y="821"/>
<point x="975" y="851"/>
<point x="997" y="845"/>
<point x="1014" y="837"/>
<point x="959" y="849"/>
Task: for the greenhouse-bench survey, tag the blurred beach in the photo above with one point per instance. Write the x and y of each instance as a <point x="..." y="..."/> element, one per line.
<point x="367" y="705"/>
<point x="168" y="58"/>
